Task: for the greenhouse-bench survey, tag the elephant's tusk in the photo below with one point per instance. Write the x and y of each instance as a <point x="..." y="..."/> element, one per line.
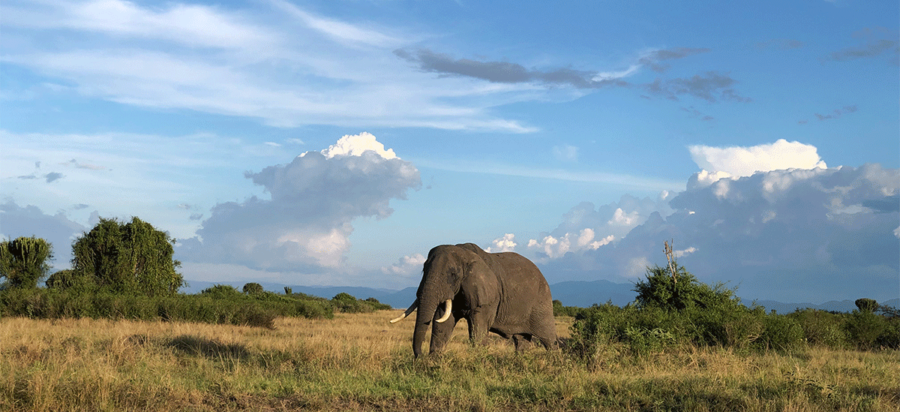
<point x="446" y="312"/>
<point x="412" y="307"/>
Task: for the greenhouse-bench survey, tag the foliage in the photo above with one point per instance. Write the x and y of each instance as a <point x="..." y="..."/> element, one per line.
<point x="24" y="261"/>
<point x="68" y="279"/>
<point x="346" y="303"/>
<point x="222" y="292"/>
<point x="129" y="257"/>
<point x="866" y="305"/>
<point x="668" y="313"/>
<point x="253" y="288"/>
<point x="215" y="305"/>
<point x="560" y="310"/>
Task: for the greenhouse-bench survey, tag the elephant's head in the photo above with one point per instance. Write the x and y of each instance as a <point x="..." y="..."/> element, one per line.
<point x="447" y="271"/>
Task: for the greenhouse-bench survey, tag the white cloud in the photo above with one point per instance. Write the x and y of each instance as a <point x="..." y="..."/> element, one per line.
<point x="555" y="247"/>
<point x="337" y="30"/>
<point x="258" y="63"/>
<point x="356" y="145"/>
<point x="507" y="243"/>
<point x="407" y="266"/>
<point x="567" y="153"/>
<point x="745" y="161"/>
<point x="791" y="235"/>
<point x="306" y="224"/>
<point x="123" y="175"/>
<point x="620" y="218"/>
<point x="684" y="252"/>
<point x="17" y="221"/>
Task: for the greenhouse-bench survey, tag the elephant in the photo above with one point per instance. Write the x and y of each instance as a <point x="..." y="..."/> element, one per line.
<point x="503" y="293"/>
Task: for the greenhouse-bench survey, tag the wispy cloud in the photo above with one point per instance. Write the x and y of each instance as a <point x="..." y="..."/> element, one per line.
<point x="504" y="72"/>
<point x="709" y="86"/>
<point x="613" y="179"/>
<point x="836" y="113"/>
<point x="283" y="65"/>
<point x="877" y="41"/>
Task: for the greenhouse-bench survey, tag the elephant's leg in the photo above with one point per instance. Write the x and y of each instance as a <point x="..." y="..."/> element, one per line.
<point x="522" y="342"/>
<point x="441" y="332"/>
<point x="479" y="324"/>
<point x="547" y="334"/>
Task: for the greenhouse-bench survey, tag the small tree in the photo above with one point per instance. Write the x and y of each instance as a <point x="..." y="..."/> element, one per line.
<point x="866" y="305"/>
<point x="69" y="279"/>
<point x="24" y="261"/>
<point x="132" y="257"/>
<point x="253" y="288"/>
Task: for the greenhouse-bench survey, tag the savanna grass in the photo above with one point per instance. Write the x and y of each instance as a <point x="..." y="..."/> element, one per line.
<point x="360" y="362"/>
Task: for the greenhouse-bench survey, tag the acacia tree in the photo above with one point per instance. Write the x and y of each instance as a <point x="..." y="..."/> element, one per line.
<point x="24" y="261"/>
<point x="129" y="257"/>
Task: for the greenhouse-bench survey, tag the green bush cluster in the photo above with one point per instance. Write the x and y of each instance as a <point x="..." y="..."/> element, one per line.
<point x="560" y="310"/>
<point x="345" y="303"/>
<point x="671" y="310"/>
<point x="219" y="304"/>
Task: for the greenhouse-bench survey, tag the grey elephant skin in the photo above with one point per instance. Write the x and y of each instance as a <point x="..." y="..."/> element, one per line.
<point x="503" y="293"/>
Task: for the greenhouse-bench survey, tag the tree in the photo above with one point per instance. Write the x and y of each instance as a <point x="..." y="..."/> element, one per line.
<point x="866" y="305"/>
<point x="253" y="288"/>
<point x="133" y="258"/>
<point x="24" y="262"/>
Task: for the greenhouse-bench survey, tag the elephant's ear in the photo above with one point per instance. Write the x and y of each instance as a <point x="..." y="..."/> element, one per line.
<point x="481" y="286"/>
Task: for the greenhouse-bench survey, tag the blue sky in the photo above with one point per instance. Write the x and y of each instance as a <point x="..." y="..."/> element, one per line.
<point x="763" y="138"/>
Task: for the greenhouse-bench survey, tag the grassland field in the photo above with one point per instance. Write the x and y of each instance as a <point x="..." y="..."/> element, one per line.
<point x="361" y="362"/>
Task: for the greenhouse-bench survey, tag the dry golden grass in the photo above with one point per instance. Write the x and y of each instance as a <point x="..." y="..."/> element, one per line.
<point x="360" y="362"/>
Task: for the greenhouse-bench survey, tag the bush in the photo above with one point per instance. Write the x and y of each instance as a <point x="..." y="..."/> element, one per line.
<point x="560" y="310"/>
<point x="782" y="333"/>
<point x="133" y="258"/>
<point x="24" y="262"/>
<point x="219" y="304"/>
<point x="253" y="288"/>
<point x="667" y="312"/>
<point x="822" y="328"/>
<point x="222" y="292"/>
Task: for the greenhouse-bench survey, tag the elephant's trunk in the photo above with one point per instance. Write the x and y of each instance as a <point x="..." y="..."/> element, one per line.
<point x="427" y="307"/>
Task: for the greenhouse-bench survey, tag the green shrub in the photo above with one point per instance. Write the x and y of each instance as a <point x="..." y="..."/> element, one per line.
<point x="781" y="333"/>
<point x="222" y="292"/>
<point x="560" y="310"/>
<point x="822" y="328"/>
<point x="867" y="330"/>
<point x="253" y="288"/>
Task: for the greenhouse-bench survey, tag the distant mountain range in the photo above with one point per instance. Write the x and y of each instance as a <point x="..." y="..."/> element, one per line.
<point x="577" y="293"/>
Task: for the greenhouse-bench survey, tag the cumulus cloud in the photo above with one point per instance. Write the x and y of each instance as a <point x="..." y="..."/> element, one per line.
<point x="718" y="162"/>
<point x="789" y="234"/>
<point x="507" y="243"/>
<point x="407" y="266"/>
<point x="306" y="222"/>
<point x="586" y="228"/>
<point x="17" y="221"/>
<point x="554" y="247"/>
